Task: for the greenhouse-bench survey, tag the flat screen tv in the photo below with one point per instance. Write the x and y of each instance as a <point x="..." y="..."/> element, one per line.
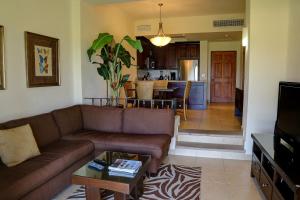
<point x="287" y="128"/>
<point x="288" y="113"/>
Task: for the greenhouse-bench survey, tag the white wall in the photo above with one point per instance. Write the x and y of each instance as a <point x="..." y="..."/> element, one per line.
<point x="268" y="43"/>
<point x="203" y="60"/>
<point x="51" y="18"/>
<point x="94" y="20"/>
<point x="293" y="64"/>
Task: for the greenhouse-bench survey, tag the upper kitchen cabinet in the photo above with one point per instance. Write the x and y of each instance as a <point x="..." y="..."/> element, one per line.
<point x="143" y="57"/>
<point x="171" y="61"/>
<point x="160" y="54"/>
<point x="193" y="51"/>
<point x="165" y="57"/>
<point x="187" y="50"/>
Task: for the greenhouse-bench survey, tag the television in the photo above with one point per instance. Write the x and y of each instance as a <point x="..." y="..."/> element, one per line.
<point x="287" y="127"/>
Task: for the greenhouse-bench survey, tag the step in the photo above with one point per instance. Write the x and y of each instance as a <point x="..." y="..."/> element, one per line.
<point x="210" y="138"/>
<point x="210" y="146"/>
<point x="202" y="151"/>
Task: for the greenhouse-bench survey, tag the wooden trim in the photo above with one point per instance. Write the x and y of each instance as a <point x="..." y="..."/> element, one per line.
<point x="2" y="60"/>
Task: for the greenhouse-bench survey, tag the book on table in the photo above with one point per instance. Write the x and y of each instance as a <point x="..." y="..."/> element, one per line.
<point x="125" y="166"/>
<point x="123" y="174"/>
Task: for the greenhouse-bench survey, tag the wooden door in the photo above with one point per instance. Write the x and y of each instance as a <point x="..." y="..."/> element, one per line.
<point x="223" y="70"/>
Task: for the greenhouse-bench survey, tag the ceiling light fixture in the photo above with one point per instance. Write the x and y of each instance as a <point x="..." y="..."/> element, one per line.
<point x="160" y="39"/>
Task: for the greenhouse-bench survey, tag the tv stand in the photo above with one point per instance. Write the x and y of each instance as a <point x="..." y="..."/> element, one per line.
<point x="275" y="183"/>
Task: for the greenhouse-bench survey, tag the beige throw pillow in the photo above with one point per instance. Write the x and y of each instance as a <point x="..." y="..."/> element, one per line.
<point x="17" y="145"/>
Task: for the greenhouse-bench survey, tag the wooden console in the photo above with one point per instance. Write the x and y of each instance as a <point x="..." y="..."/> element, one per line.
<point x="275" y="183"/>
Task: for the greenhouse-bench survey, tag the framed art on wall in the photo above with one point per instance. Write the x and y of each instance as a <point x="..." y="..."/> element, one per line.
<point x="42" y="60"/>
<point x="2" y="69"/>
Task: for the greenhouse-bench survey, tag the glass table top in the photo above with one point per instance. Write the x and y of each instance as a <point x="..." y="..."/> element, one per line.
<point x="109" y="157"/>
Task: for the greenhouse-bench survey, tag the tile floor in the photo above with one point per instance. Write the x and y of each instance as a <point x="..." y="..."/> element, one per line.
<point x="219" y="117"/>
<point x="222" y="179"/>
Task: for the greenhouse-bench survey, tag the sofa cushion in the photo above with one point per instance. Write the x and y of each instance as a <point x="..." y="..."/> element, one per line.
<point x="105" y="119"/>
<point x="69" y="120"/>
<point x="148" y="121"/>
<point x="154" y="145"/>
<point x="16" y="181"/>
<point x="43" y="127"/>
<point x="17" y="145"/>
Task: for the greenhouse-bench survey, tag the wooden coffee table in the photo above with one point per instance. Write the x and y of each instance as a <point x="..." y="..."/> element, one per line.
<point x="121" y="186"/>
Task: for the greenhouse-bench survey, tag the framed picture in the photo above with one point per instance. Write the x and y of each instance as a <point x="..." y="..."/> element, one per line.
<point x="41" y="60"/>
<point x="2" y="69"/>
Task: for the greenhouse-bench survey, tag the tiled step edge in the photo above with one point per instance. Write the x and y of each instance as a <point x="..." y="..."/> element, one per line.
<point x="210" y="138"/>
<point x="210" y="153"/>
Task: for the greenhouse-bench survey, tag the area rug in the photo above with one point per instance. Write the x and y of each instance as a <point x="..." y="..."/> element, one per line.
<point x="172" y="182"/>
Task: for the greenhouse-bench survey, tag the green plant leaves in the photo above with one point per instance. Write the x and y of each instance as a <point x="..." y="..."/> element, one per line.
<point x="102" y="40"/>
<point x="114" y="56"/>
<point x="134" y="43"/>
<point x="124" y="55"/>
<point x="103" y="71"/>
<point x="124" y="80"/>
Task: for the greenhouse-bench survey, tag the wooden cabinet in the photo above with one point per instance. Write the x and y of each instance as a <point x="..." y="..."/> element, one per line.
<point x="188" y="51"/>
<point x="265" y="185"/>
<point x="142" y="57"/>
<point x="193" y="51"/>
<point x="166" y="57"/>
<point x="255" y="168"/>
<point x="181" y="51"/>
<point x="274" y="182"/>
<point x="171" y="61"/>
<point x="159" y="54"/>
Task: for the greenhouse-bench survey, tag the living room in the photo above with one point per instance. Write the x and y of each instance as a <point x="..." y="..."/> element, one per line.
<point x="271" y="56"/>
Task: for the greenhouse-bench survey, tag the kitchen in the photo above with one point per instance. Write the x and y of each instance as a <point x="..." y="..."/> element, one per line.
<point x="176" y="62"/>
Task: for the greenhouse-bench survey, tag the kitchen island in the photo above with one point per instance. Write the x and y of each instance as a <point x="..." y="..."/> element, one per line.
<point x="197" y="99"/>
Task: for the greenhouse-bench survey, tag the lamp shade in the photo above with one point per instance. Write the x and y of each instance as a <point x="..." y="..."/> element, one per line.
<point x="160" y="40"/>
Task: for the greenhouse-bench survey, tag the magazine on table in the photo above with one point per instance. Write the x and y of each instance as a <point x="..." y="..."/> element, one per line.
<point x="128" y="166"/>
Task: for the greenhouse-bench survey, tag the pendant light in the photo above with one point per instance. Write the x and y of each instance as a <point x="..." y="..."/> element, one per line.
<point x="160" y="39"/>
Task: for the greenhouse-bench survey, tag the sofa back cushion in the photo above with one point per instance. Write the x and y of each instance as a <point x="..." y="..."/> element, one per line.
<point x="69" y="120"/>
<point x="104" y="119"/>
<point x="43" y="127"/>
<point x="148" y="121"/>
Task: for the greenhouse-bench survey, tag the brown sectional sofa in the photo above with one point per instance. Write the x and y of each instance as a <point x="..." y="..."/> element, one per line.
<point x="69" y="137"/>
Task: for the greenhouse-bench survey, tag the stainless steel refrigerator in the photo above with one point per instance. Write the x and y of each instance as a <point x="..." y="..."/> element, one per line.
<point x="189" y="70"/>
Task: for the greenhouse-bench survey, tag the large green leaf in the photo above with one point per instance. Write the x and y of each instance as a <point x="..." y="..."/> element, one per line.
<point x="102" y="40"/>
<point x="103" y="71"/>
<point x="134" y="43"/>
<point x="124" y="55"/>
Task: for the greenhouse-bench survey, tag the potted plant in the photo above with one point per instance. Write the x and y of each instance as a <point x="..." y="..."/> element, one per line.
<point x="113" y="57"/>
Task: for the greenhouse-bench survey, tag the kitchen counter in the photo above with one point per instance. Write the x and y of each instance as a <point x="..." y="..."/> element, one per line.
<point x="197" y="99"/>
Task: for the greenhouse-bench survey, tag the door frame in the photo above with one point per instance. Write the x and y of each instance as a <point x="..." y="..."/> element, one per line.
<point x="235" y="72"/>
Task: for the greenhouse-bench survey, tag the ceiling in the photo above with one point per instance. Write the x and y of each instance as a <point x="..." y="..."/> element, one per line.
<point x="145" y="9"/>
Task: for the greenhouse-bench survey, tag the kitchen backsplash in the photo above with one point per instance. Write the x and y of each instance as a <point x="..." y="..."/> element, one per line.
<point x="155" y="74"/>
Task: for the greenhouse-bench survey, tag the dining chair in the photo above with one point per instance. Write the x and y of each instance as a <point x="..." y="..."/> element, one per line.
<point x="185" y="98"/>
<point x="130" y="93"/>
<point x="144" y="90"/>
<point x="159" y="84"/>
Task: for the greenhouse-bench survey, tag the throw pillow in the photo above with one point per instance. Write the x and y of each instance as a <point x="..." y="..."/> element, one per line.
<point x="17" y="145"/>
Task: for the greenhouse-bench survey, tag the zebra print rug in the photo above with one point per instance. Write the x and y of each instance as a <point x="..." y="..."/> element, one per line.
<point x="173" y="182"/>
